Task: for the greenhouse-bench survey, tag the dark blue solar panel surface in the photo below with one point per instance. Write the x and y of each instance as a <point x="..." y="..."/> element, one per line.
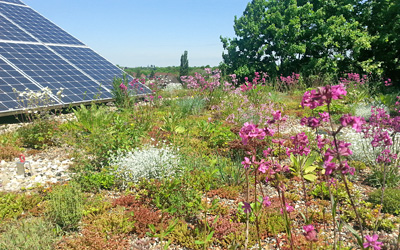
<point x="13" y="1"/>
<point x="49" y="70"/>
<point x="35" y="54"/>
<point x="9" y="31"/>
<point x="37" y="25"/>
<point x="11" y="79"/>
<point x="95" y="66"/>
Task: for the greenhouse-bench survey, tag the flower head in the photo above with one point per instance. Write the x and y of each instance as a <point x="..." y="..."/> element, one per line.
<point x="372" y="242"/>
<point x="266" y="202"/>
<point x="310" y="234"/>
<point x="247" y="208"/>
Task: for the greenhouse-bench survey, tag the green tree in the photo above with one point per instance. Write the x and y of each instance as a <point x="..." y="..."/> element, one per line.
<point x="306" y="36"/>
<point x="382" y="17"/>
<point x="184" y="67"/>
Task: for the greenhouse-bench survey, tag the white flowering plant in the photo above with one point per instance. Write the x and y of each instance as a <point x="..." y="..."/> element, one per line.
<point x="148" y="162"/>
<point x="37" y="103"/>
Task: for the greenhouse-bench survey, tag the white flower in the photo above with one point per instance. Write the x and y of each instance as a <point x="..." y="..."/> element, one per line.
<point x="149" y="163"/>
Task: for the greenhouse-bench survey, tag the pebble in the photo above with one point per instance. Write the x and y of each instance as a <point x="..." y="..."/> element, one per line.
<point x="41" y="171"/>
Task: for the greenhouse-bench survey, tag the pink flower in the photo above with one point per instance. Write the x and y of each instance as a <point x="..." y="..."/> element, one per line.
<point x="300" y="142"/>
<point x="123" y="87"/>
<point x="310" y="234"/>
<point x="267" y="152"/>
<point x="323" y="95"/>
<point x="289" y="209"/>
<point x="246" y="163"/>
<point x="321" y="142"/>
<point x="263" y="167"/>
<point x="329" y="167"/>
<point x="354" y="121"/>
<point x="266" y="201"/>
<point x="372" y="242"/>
<point x="249" y="131"/>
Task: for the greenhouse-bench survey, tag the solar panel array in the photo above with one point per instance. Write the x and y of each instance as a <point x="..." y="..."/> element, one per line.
<point x="35" y="54"/>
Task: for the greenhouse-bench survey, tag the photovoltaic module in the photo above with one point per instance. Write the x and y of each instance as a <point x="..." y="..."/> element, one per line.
<point x="35" y="54"/>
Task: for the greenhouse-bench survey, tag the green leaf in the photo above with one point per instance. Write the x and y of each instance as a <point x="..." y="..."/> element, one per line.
<point x="180" y="130"/>
<point x="209" y="236"/>
<point x="354" y="232"/>
<point x="309" y="169"/>
<point x="310" y="177"/>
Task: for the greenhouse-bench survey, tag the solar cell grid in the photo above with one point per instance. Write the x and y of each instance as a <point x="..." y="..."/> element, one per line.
<point x="13" y="1"/>
<point x="10" y="79"/>
<point x="38" y="68"/>
<point x="37" y="25"/>
<point x="94" y="65"/>
<point x="9" y="31"/>
<point x="35" y="54"/>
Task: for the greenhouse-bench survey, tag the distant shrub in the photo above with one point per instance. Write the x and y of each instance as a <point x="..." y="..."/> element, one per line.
<point x="391" y="200"/>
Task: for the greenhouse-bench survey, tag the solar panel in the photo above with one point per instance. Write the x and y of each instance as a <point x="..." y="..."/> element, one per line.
<point x="36" y="54"/>
<point x="9" y="31"/>
<point x="51" y="71"/>
<point x="11" y="79"/>
<point x="37" y="25"/>
<point x="94" y="65"/>
<point x="13" y="1"/>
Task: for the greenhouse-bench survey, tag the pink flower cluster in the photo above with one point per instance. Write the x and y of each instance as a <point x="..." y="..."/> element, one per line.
<point x="257" y="80"/>
<point x="354" y="78"/>
<point x="333" y="153"/>
<point x="249" y="131"/>
<point x="123" y="87"/>
<point x="323" y="95"/>
<point x="314" y="122"/>
<point x="300" y="142"/>
<point x="203" y="83"/>
<point x="380" y="128"/>
<point x="310" y="234"/>
<point x="353" y="121"/>
<point x="290" y="80"/>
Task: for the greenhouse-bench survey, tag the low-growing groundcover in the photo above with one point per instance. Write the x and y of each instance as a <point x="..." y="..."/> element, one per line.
<point x="217" y="165"/>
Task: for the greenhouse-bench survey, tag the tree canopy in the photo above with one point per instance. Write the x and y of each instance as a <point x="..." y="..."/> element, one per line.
<point x="311" y="36"/>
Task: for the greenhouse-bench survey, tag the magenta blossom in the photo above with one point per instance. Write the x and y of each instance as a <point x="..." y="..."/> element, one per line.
<point x="246" y="163"/>
<point x="300" y="142"/>
<point x="249" y="131"/>
<point x="266" y="202"/>
<point x="372" y="242"/>
<point x="289" y="209"/>
<point x="123" y="87"/>
<point x="323" y="95"/>
<point x="353" y="121"/>
<point x="310" y="234"/>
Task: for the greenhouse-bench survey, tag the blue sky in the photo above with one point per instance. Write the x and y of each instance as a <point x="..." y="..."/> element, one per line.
<point x="147" y="32"/>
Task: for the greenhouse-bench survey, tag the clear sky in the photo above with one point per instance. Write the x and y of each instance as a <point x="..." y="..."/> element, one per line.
<point x="147" y="32"/>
